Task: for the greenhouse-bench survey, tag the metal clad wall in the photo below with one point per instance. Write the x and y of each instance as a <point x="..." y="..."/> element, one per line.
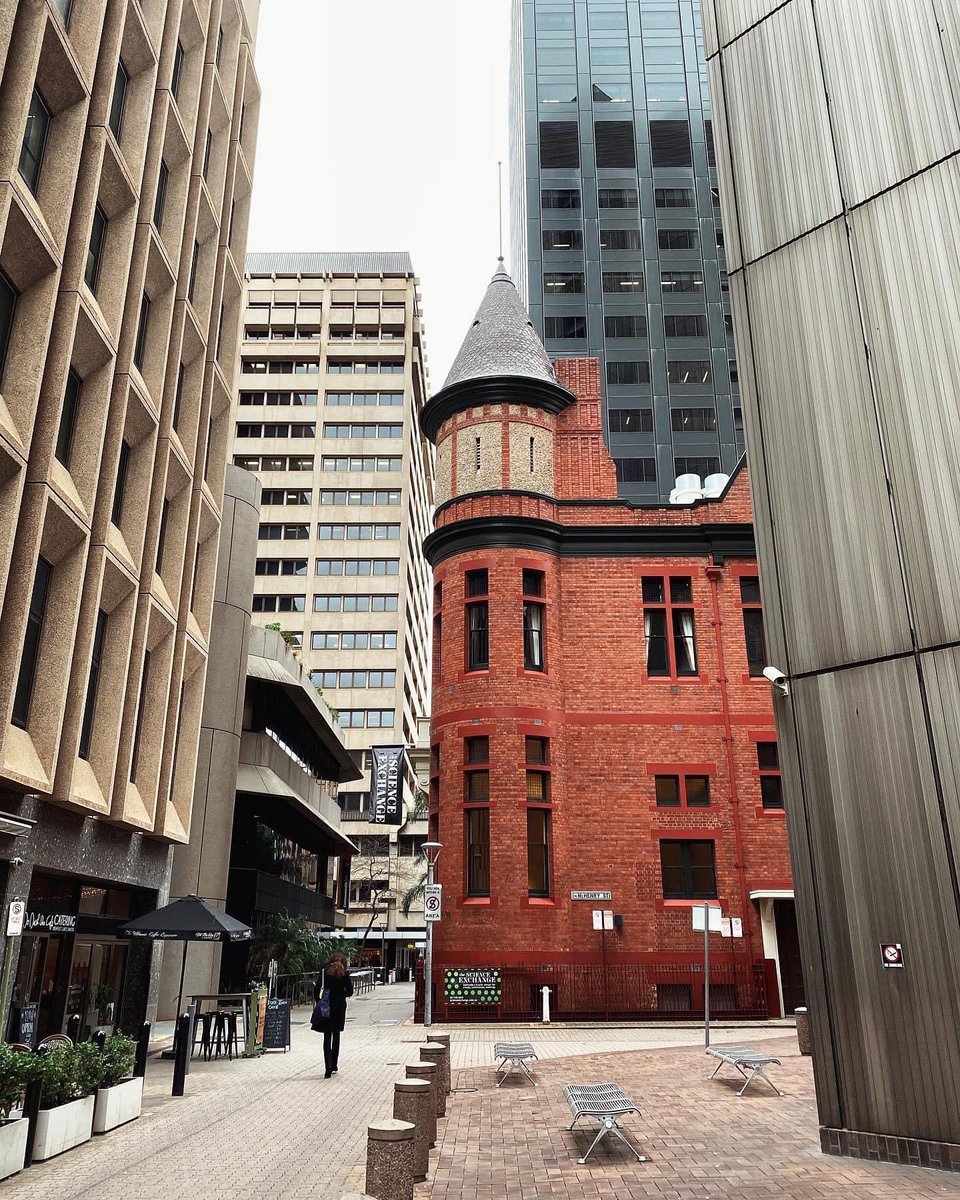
<point x="811" y="366"/>
<point x="846" y="300"/>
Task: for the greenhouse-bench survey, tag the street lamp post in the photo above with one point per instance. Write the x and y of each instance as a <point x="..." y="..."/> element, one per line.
<point x="432" y="851"/>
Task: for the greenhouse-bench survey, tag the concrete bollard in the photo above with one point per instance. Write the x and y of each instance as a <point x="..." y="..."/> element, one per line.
<point x="444" y="1040"/>
<point x="803" y="1031"/>
<point x="411" y="1102"/>
<point x="436" y="1053"/>
<point x="390" y="1160"/>
<point x="427" y="1071"/>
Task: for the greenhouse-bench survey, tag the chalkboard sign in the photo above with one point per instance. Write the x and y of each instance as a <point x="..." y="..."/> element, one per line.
<point x="276" y="1025"/>
<point x="28" y="1024"/>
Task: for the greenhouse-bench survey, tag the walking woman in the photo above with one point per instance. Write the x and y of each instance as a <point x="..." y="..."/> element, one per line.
<point x="333" y="985"/>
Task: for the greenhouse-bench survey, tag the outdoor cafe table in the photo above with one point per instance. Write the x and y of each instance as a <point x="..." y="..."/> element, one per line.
<point x="199" y="997"/>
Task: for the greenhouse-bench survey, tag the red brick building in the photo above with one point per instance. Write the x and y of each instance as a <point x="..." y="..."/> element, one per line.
<point x="600" y="723"/>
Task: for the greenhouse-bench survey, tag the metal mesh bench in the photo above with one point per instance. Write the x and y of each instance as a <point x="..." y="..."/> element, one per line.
<point x="604" y="1102"/>
<point x="516" y="1054"/>
<point x="745" y="1059"/>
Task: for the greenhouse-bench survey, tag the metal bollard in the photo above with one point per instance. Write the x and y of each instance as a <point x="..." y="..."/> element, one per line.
<point x="390" y="1160"/>
<point x="143" y="1045"/>
<point x="99" y="1039"/>
<point x="803" y="1031"/>
<point x="31" y="1109"/>
<point x="73" y="1028"/>
<point x="411" y="1102"/>
<point x="427" y="1071"/>
<point x="444" y="1040"/>
<point x="181" y="1054"/>
<point x="434" y="1052"/>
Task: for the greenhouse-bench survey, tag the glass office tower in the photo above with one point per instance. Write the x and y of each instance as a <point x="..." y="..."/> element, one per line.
<point x="617" y="241"/>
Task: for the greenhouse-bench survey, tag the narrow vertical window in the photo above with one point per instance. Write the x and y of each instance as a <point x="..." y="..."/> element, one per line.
<point x="193" y="271"/>
<point x="478" y="851"/>
<point x="219" y="51"/>
<point x="533" y="621"/>
<point x="162" y="535"/>
<point x="208" y="145"/>
<point x="478" y="641"/>
<point x="90" y="703"/>
<point x="116" y="515"/>
<point x="143" y="324"/>
<point x="476" y="453"/>
<point x="64" y="8"/>
<point x="8" y="306"/>
<point x="538" y="852"/>
<point x="219" y="335"/>
<point x="119" y="100"/>
<point x="34" y="141"/>
<point x="532" y="446"/>
<point x="477" y="770"/>
<point x="98" y="234"/>
<point x="68" y="417"/>
<point x="753" y="632"/>
<point x="178" y="397"/>
<point x="669" y="630"/>
<point x="138" y="728"/>
<point x="163" y="177"/>
<point x="771" y="786"/>
<point x="177" y="70"/>
<point x="31" y="644"/>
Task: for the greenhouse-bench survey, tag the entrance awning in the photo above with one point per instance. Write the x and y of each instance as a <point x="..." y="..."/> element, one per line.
<point x="772" y="894"/>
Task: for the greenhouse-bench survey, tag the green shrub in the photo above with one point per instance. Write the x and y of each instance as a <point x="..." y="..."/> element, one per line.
<point x="67" y="1073"/>
<point x="116" y="1062"/>
<point x="14" y="1075"/>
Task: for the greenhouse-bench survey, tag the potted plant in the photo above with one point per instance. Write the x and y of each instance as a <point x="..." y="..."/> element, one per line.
<point x="69" y="1076"/>
<point x="15" y="1068"/>
<point x="119" y="1097"/>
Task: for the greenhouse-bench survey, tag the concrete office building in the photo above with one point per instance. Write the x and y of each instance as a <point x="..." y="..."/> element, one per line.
<point x="332" y="381"/>
<point x="266" y="834"/>
<point x="126" y="149"/>
<point x="617" y="242"/>
<point x="840" y="172"/>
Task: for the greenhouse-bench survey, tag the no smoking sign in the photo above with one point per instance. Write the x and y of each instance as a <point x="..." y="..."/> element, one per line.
<point x="892" y="954"/>
<point x="432" y="901"/>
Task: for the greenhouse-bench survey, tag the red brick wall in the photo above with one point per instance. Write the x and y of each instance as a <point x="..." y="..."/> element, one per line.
<point x="610" y="729"/>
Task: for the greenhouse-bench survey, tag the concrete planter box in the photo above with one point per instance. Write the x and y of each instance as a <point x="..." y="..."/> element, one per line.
<point x="13" y="1146"/>
<point x="63" y="1127"/>
<point x="117" y="1105"/>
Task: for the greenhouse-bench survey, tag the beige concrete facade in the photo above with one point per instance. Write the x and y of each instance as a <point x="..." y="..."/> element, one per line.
<point x="147" y="558"/>
<point x="332" y="381"/>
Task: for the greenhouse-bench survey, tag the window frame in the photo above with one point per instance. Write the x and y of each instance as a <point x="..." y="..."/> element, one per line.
<point x="670" y="608"/>
<point x="686" y="866"/>
<point x="32" y="180"/>
<point x="118" y="99"/>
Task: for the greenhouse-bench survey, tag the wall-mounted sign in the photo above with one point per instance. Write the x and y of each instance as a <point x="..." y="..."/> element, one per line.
<point x="892" y="954"/>
<point x="736" y="927"/>
<point x="598" y="918"/>
<point x="608" y="918"/>
<point x="386" y="799"/>
<point x="49" y="922"/>
<point x="725" y="927"/>
<point x="472" y="985"/>
<point x="432" y="901"/>
<point x="15" y="918"/>
<point x="599" y="895"/>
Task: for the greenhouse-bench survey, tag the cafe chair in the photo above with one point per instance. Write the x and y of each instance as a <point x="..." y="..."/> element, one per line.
<point x="56" y="1039"/>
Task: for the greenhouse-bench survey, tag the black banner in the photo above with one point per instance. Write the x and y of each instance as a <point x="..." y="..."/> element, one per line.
<point x="386" y="786"/>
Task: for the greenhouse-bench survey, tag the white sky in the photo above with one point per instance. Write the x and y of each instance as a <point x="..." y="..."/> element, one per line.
<point x="380" y="129"/>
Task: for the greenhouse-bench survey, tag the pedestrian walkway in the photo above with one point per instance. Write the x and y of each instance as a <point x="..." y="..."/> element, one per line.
<point x="702" y="1141"/>
<point x="273" y="1126"/>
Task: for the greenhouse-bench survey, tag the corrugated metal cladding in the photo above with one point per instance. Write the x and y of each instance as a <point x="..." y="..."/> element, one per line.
<point x="334" y="262"/>
<point x="845" y="288"/>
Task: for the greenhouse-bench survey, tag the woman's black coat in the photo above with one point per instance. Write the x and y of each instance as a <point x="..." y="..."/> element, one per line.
<point x="340" y="989"/>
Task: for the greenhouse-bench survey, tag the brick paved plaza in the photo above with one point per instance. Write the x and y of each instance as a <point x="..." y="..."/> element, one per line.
<point x="274" y="1127"/>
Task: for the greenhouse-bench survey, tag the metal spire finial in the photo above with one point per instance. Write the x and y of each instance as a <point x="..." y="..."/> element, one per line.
<point x="500" y="205"/>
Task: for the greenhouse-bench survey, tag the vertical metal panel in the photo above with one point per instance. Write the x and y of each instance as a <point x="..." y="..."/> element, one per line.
<point x="941" y="674"/>
<point x="948" y="19"/>
<point x="711" y="41"/>
<point x="882" y="874"/>
<point x="734" y="16"/>
<point x="725" y="178"/>
<point x="839" y="574"/>
<point x="781" y="152"/>
<point x="912" y="317"/>
<point x="887" y="79"/>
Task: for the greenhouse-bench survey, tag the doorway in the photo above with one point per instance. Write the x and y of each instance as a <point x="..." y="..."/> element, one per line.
<point x="788" y="953"/>
<point x="96" y="984"/>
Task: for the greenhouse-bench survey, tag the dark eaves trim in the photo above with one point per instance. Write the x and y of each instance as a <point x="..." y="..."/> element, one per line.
<point x="492" y="389"/>
<point x="589" y="541"/>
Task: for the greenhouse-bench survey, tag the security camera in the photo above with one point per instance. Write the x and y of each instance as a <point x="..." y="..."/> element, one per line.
<point x="778" y="679"/>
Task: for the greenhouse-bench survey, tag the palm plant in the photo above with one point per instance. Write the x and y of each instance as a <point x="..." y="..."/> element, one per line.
<point x="416" y="892"/>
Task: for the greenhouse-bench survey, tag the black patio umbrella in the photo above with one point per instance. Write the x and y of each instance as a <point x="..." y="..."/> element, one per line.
<point x="186" y="920"/>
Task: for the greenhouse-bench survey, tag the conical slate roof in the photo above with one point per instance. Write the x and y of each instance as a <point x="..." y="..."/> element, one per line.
<point x="502" y="340"/>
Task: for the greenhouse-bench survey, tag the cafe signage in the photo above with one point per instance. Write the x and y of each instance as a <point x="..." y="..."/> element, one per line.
<point x="49" y="922"/>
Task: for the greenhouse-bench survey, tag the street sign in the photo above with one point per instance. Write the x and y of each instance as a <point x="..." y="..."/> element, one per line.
<point x="736" y="927"/>
<point x="892" y="954"/>
<point x="725" y="927"/>
<point x="432" y="901"/>
<point x="15" y="915"/>
<point x="596" y="895"/>
<point x="716" y="916"/>
<point x="598" y="918"/>
<point x="608" y="918"/>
